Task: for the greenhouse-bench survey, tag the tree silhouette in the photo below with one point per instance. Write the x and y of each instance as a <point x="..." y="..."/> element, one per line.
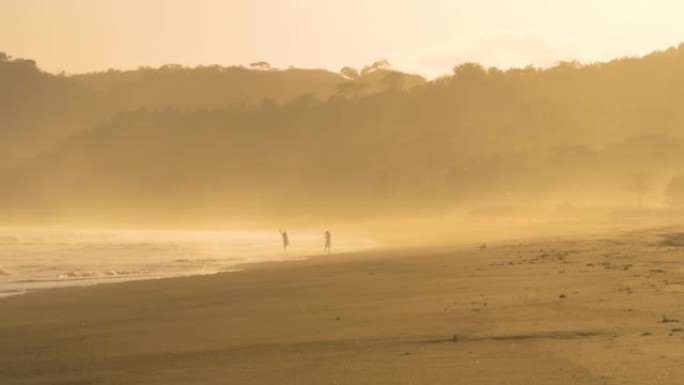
<point x="470" y="70"/>
<point x="638" y="185"/>
<point x="350" y="73"/>
<point x="260" y="66"/>
<point x="382" y="64"/>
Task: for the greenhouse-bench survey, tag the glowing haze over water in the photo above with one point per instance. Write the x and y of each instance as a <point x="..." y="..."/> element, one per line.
<point x="33" y="260"/>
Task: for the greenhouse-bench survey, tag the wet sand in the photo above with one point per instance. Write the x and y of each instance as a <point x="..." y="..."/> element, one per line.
<point x="602" y="309"/>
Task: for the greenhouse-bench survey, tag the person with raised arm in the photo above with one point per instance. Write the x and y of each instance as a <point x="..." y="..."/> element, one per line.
<point x="286" y="241"/>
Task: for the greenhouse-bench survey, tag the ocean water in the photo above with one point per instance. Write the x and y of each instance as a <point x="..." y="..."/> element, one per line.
<point x="35" y="260"/>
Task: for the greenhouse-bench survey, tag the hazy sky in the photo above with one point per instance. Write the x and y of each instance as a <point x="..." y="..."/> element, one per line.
<point x="424" y="36"/>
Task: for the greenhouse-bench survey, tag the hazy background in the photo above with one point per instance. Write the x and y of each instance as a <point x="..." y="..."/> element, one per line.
<point x="396" y="122"/>
<point x="426" y="37"/>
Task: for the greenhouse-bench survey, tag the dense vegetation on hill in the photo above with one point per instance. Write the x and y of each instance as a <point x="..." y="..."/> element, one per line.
<point x="38" y="109"/>
<point x="210" y="142"/>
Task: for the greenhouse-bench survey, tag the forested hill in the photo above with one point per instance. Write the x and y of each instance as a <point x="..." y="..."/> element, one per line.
<point x="39" y="110"/>
<point x="373" y="142"/>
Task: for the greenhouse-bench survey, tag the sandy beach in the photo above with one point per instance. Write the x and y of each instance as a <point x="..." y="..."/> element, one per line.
<point x="601" y="309"/>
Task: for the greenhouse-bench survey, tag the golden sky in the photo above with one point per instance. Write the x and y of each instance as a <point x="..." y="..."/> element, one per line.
<point x="423" y="36"/>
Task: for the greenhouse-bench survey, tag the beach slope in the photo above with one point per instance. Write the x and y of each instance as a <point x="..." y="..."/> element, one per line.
<point x="581" y="310"/>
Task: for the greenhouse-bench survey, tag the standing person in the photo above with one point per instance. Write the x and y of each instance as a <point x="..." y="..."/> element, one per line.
<point x="327" y="242"/>
<point x="286" y="241"/>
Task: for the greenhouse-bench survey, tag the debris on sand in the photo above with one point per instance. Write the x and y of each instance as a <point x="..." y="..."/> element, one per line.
<point x="667" y="320"/>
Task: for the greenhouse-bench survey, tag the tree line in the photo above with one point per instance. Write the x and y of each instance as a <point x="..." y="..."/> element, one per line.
<point x="212" y="142"/>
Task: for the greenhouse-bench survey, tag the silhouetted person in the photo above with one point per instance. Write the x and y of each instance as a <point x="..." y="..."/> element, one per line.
<point x="286" y="241"/>
<point x="327" y="242"/>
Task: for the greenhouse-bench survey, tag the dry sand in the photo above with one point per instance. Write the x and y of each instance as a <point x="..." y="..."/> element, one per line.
<point x="589" y="310"/>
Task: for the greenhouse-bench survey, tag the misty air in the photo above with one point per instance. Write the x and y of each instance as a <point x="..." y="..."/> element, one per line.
<point x="328" y="192"/>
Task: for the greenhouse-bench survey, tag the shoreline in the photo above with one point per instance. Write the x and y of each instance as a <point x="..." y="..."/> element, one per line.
<point x="45" y="259"/>
<point x="585" y="310"/>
